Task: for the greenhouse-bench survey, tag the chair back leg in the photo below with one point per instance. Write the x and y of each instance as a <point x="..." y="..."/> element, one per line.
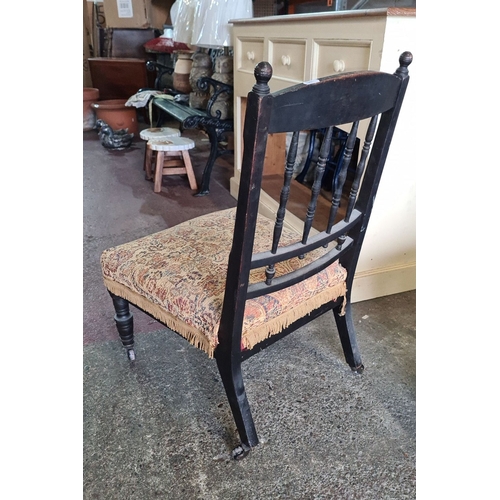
<point x="232" y="379"/>
<point x="347" y="334"/>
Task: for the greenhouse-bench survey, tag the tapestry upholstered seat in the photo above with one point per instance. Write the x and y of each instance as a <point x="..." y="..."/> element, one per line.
<point x="233" y="282"/>
<point x="178" y="276"/>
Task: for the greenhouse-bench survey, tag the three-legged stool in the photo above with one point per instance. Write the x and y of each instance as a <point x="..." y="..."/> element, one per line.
<point x="172" y="158"/>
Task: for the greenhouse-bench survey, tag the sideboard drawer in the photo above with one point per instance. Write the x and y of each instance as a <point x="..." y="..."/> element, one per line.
<point x="339" y="56"/>
<point x="250" y="52"/>
<point x="287" y="58"/>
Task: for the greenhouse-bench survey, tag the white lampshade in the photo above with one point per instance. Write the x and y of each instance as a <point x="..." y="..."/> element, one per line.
<point x="182" y="15"/>
<point x="211" y="26"/>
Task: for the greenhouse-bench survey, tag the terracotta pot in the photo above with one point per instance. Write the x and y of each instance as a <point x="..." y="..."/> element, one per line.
<point x="117" y="115"/>
<point x="90" y="95"/>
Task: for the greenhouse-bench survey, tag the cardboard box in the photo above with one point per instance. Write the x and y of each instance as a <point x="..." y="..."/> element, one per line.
<point x="137" y="13"/>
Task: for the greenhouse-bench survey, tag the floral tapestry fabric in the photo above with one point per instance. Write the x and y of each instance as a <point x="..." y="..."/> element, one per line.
<point x="178" y="275"/>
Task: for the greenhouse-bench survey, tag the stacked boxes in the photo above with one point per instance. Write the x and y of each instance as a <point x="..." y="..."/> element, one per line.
<point x="137" y="13"/>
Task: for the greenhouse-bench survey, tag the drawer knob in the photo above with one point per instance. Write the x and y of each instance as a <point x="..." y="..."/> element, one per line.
<point x="250" y="55"/>
<point x="286" y="60"/>
<point x="338" y="65"/>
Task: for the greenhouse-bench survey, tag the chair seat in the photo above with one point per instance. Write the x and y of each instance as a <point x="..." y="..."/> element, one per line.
<point x="159" y="133"/>
<point x="178" y="276"/>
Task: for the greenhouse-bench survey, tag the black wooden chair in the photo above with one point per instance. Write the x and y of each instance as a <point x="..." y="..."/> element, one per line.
<point x="233" y="282"/>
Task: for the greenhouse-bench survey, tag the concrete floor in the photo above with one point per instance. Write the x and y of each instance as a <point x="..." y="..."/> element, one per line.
<point x="162" y="428"/>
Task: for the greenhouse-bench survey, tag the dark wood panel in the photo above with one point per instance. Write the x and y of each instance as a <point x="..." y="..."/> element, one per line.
<point x="119" y="78"/>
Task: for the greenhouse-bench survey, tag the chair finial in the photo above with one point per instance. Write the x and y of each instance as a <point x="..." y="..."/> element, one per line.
<point x="405" y="59"/>
<point x="263" y="73"/>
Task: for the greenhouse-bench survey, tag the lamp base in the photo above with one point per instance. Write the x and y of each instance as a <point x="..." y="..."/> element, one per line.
<point x="224" y="73"/>
<point x="181" y="73"/>
<point x="202" y="67"/>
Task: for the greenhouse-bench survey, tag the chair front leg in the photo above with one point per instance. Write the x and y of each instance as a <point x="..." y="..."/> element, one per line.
<point x="124" y="324"/>
<point x="230" y="372"/>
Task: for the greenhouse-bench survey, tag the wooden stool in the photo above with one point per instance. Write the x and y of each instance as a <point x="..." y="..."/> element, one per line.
<point x="157" y="133"/>
<point x="172" y="158"/>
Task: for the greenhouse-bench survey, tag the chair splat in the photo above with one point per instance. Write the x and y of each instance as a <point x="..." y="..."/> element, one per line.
<point x="316" y="187"/>
<point x="360" y="168"/>
<point x="284" y="195"/>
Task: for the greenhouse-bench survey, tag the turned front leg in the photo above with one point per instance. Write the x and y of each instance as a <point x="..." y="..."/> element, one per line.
<point x="124" y="324"/>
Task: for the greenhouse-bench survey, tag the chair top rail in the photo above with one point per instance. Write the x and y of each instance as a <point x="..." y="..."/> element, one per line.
<point x="330" y="102"/>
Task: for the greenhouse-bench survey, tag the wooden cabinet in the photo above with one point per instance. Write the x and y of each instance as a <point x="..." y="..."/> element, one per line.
<point x="303" y="47"/>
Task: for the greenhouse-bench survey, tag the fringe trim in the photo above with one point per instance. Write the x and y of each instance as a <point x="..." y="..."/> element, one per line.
<point x="252" y="337"/>
<point x="190" y="333"/>
<point x="249" y="338"/>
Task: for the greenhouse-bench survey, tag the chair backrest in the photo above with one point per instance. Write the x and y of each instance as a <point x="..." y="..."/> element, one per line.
<point x="342" y="100"/>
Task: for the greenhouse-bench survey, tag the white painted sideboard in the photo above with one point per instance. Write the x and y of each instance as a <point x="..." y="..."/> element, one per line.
<point x="306" y="46"/>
